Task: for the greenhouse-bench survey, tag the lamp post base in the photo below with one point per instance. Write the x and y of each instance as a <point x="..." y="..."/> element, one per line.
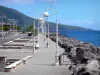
<point x="44" y="40"/>
<point x="37" y="46"/>
<point x="47" y="44"/>
<point x="34" y="51"/>
<point x="38" y="39"/>
<point x="57" y="64"/>
<point x="57" y="59"/>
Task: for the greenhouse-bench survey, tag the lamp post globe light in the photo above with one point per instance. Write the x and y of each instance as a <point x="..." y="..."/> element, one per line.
<point x="41" y="19"/>
<point x="46" y="15"/>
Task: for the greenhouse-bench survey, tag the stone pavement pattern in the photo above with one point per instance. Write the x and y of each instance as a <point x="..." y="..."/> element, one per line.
<point x="41" y="63"/>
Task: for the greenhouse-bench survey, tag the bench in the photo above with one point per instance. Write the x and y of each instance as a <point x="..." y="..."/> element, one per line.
<point x="12" y="66"/>
<point x="10" y="47"/>
<point x="13" y="45"/>
<point x="26" y="58"/>
<point x="21" y="40"/>
<point x="15" y="64"/>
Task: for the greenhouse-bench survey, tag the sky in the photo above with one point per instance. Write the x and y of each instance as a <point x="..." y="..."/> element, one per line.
<point x="82" y="13"/>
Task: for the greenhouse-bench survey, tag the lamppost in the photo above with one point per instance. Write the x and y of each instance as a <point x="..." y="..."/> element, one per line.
<point x="38" y="31"/>
<point x="46" y="15"/>
<point x="39" y="21"/>
<point x="14" y="25"/>
<point x="10" y="23"/>
<point x="57" y="52"/>
<point x="2" y="17"/>
<point x="16" y="21"/>
<point x="34" y="36"/>
<point x="13" y="22"/>
<point x="42" y="25"/>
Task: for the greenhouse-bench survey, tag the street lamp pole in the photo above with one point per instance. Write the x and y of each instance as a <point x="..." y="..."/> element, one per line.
<point x="2" y="17"/>
<point x="42" y="25"/>
<point x="46" y="14"/>
<point x="2" y="26"/>
<point x="39" y="21"/>
<point x="57" y="53"/>
<point x="13" y="21"/>
<point x="42" y="28"/>
<point x="45" y="32"/>
<point x="34" y="36"/>
<point x="10" y="22"/>
<point x="38" y="30"/>
<point x="48" y="33"/>
<point x="16" y="25"/>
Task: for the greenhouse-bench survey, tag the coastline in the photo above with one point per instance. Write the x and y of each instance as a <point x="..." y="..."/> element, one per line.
<point x="70" y="44"/>
<point x="92" y="37"/>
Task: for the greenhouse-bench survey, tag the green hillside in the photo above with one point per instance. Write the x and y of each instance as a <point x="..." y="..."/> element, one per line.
<point x="24" y="19"/>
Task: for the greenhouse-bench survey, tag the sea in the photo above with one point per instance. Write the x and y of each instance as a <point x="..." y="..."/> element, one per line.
<point x="92" y="37"/>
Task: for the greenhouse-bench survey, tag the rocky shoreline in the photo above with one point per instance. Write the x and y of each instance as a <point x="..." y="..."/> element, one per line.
<point x="70" y="44"/>
<point x="84" y="56"/>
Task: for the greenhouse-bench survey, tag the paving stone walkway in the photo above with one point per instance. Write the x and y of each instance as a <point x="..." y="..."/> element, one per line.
<point x="41" y="63"/>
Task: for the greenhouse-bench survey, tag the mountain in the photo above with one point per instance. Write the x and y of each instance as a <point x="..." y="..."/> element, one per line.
<point x="24" y="19"/>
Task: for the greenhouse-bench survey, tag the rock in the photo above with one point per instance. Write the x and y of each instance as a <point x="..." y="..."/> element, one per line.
<point x="68" y="49"/>
<point x="70" y="45"/>
<point x="92" y="65"/>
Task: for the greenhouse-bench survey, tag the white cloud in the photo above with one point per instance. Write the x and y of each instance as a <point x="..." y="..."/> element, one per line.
<point x="17" y="1"/>
<point x="79" y="22"/>
<point x="50" y="0"/>
<point x="4" y="2"/>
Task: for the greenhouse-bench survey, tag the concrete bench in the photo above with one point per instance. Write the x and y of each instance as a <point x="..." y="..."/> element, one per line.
<point x="9" y="42"/>
<point x="10" y="47"/>
<point x="12" y="66"/>
<point x="29" y="45"/>
<point x="13" y="44"/>
<point x="26" y="58"/>
<point x="21" y="40"/>
<point x="15" y="64"/>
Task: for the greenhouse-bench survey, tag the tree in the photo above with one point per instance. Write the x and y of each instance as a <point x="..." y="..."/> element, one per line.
<point x="6" y="28"/>
<point x="31" y="29"/>
<point x="18" y="28"/>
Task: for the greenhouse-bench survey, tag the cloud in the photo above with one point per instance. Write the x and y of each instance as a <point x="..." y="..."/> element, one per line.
<point x="17" y="1"/>
<point x="50" y="0"/>
<point x="79" y="22"/>
<point x="4" y="2"/>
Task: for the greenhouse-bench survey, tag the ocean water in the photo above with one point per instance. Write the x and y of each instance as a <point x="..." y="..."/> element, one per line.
<point x="92" y="37"/>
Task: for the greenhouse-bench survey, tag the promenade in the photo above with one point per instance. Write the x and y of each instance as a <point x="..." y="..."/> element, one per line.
<point x="41" y="63"/>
